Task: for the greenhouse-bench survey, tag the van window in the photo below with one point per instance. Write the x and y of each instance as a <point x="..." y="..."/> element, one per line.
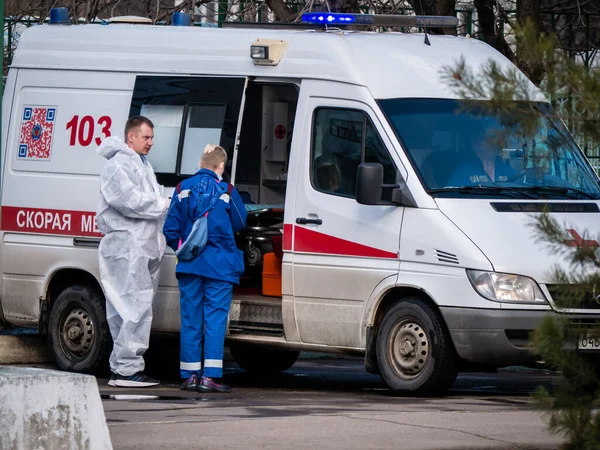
<point x="167" y="127"/>
<point x="342" y="139"/>
<point x="204" y="123"/>
<point x="188" y="113"/>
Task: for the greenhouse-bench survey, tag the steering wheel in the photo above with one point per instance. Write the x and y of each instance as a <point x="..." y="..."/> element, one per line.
<point x="522" y="174"/>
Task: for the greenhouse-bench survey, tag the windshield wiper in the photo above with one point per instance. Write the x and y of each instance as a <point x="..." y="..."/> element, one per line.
<point x="482" y="190"/>
<point x="566" y="191"/>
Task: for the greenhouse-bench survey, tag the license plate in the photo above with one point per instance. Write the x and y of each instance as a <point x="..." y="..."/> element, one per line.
<point x="588" y="343"/>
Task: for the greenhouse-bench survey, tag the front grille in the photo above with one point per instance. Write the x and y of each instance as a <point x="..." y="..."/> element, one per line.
<point x="580" y="324"/>
<point x="574" y="296"/>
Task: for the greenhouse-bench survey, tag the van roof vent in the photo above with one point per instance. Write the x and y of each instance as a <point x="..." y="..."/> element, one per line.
<point x="131" y="19"/>
<point x="446" y="257"/>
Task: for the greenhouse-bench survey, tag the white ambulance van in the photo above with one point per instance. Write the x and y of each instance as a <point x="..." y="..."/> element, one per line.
<point x="400" y="244"/>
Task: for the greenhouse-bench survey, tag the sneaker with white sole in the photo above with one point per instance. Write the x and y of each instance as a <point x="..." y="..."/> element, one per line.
<point x="136" y="380"/>
<point x="113" y="379"/>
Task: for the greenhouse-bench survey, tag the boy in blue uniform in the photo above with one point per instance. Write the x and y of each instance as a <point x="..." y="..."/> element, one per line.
<point x="206" y="282"/>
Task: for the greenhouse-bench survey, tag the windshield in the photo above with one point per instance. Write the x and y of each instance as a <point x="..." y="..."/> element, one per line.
<point x="466" y="150"/>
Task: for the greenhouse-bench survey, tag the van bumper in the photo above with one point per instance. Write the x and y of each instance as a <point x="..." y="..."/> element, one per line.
<point x="498" y="337"/>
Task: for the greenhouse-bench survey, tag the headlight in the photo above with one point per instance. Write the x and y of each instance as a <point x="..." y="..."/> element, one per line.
<point x="504" y="287"/>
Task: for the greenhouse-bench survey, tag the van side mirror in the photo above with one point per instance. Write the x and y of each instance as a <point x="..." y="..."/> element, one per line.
<point x="369" y="187"/>
<point x="368" y="183"/>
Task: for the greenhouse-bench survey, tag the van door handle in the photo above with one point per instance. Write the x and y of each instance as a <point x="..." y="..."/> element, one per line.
<point x="86" y="242"/>
<point x="304" y="221"/>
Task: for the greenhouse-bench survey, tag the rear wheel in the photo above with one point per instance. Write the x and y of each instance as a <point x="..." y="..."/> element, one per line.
<point x="414" y="350"/>
<point x="262" y="360"/>
<point x="77" y="329"/>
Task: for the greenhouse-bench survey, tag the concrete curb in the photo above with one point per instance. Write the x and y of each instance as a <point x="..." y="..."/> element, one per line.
<point x="51" y="410"/>
<point x="27" y="349"/>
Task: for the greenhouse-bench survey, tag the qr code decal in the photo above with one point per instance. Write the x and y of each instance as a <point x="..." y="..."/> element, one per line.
<point x="37" y="126"/>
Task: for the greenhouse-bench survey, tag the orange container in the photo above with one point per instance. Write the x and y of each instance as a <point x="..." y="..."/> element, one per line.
<point x="271" y="275"/>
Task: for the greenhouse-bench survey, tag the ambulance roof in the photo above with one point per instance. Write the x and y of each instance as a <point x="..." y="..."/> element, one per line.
<point x="388" y="64"/>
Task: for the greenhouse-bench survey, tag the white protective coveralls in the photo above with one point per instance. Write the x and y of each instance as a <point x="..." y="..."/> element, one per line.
<point x="130" y="214"/>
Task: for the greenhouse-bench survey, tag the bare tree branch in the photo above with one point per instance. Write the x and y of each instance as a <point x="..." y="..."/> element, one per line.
<point x="282" y="11"/>
<point x="488" y="25"/>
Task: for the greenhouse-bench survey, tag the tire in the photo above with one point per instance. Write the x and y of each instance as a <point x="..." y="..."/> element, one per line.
<point x="77" y="329"/>
<point x="262" y="360"/>
<point x="414" y="350"/>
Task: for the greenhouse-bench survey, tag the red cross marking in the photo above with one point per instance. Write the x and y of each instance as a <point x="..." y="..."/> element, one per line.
<point x="578" y="241"/>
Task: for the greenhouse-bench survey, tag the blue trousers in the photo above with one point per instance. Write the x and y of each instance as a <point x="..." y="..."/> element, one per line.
<point x="204" y="306"/>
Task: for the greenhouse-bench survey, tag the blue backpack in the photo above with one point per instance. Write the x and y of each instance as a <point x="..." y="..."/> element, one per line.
<point x="209" y="191"/>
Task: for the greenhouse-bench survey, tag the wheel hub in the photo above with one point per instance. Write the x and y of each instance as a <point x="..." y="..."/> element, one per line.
<point x="78" y="333"/>
<point x="407" y="347"/>
<point x="74" y="332"/>
<point x="410" y="348"/>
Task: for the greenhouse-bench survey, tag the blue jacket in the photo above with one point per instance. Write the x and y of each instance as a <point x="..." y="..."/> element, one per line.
<point x="220" y="259"/>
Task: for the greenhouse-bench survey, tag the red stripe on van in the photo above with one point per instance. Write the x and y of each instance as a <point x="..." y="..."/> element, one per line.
<point x="49" y="221"/>
<point x="288" y="230"/>
<point x="310" y="241"/>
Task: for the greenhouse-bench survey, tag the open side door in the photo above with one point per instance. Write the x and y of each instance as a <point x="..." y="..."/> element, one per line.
<point x="238" y="131"/>
<point x="188" y="113"/>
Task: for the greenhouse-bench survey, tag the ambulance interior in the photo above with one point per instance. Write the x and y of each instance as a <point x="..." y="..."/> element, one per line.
<point x="189" y="112"/>
<point x="261" y="178"/>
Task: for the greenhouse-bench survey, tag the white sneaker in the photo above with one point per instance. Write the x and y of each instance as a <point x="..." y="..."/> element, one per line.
<point x="136" y="380"/>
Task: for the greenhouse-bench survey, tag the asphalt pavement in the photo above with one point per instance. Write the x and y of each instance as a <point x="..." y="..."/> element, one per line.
<point x="322" y="402"/>
<point x="330" y="403"/>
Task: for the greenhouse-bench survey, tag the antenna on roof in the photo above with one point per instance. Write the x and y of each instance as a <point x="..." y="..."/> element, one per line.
<point x="426" y="41"/>
<point x="426" y="37"/>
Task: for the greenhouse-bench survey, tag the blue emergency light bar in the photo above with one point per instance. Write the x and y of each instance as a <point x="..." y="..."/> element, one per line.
<point x="379" y="20"/>
<point x="59" y="16"/>
<point x="180" y="19"/>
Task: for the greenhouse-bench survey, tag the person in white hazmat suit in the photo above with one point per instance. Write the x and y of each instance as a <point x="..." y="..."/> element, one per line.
<point x="130" y="214"/>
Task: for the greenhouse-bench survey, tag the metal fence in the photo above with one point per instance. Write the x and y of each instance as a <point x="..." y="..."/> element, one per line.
<point x="574" y="116"/>
<point x="575" y="28"/>
<point x="217" y="12"/>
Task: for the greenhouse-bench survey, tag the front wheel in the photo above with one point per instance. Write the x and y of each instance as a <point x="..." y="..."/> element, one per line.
<point x="414" y="350"/>
<point x="77" y="330"/>
<point x="262" y="360"/>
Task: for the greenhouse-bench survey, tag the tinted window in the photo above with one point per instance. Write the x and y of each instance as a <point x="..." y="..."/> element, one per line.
<point x="188" y="113"/>
<point x="342" y="139"/>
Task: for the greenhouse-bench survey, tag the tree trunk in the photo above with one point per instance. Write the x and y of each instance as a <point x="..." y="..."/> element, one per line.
<point x="281" y="10"/>
<point x="343" y="6"/>
<point x="529" y="10"/>
<point x="487" y="24"/>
